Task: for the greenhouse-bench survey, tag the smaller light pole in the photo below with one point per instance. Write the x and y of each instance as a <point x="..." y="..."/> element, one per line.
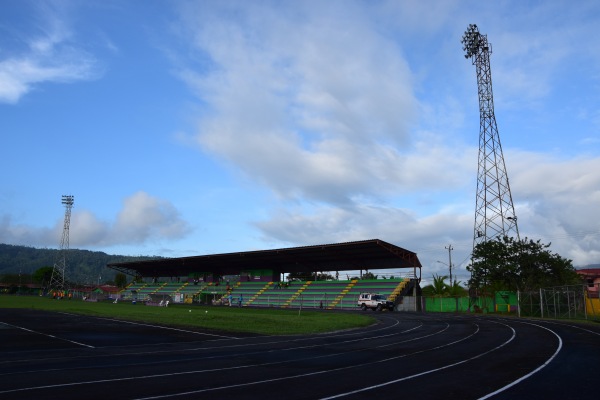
<point x="450" y="248"/>
<point x="449" y="268"/>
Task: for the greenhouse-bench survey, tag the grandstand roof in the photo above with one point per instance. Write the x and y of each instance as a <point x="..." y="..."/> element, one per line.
<point x="349" y="256"/>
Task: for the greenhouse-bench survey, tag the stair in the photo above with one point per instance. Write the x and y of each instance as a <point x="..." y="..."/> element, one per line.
<point x="295" y="295"/>
<point x="261" y="291"/>
<point x="396" y="292"/>
<point x="342" y="294"/>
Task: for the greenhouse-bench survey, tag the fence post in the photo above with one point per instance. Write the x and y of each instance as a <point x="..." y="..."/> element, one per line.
<point x="518" y="304"/>
<point x="584" y="294"/>
<point x="541" y="303"/>
<point x="415" y="297"/>
<point x="569" y="300"/>
<point x="554" y="299"/>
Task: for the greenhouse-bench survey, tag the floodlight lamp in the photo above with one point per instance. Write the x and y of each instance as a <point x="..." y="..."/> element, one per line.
<point x="67" y="200"/>
<point x="471" y="40"/>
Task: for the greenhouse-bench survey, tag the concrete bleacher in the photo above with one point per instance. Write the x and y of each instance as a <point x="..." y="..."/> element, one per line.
<point x="320" y="294"/>
<point x="341" y="295"/>
<point x="189" y="289"/>
<point x="251" y="292"/>
<point x="386" y="287"/>
<point x="145" y="291"/>
<point x="315" y="294"/>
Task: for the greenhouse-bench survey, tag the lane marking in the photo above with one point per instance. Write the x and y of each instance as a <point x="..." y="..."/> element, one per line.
<point x="535" y="371"/>
<point x="307" y="374"/>
<point x="188" y="349"/>
<point x="425" y="372"/>
<point x="157" y="326"/>
<point x="48" y="335"/>
<point x="238" y="354"/>
<point x="237" y="367"/>
<point x="573" y="326"/>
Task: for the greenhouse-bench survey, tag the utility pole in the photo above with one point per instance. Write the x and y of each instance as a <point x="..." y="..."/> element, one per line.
<point x="450" y="248"/>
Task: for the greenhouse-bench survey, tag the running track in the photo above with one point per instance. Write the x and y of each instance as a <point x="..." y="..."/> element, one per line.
<point x="405" y="355"/>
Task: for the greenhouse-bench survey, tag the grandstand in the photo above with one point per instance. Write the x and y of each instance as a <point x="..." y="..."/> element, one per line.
<point x="256" y="278"/>
<point x="340" y="295"/>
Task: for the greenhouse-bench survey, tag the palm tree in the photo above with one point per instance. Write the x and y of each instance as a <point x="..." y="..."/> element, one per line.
<point x="456" y="290"/>
<point x="439" y="286"/>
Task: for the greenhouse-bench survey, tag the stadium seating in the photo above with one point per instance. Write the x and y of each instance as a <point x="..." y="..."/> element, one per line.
<point x="310" y="294"/>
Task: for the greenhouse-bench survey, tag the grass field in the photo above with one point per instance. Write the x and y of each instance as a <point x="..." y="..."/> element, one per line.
<point x="231" y="319"/>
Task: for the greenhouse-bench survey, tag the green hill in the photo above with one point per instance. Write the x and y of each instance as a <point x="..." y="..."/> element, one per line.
<point x="83" y="266"/>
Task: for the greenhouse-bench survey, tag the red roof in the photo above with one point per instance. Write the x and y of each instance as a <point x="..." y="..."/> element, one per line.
<point x="589" y="271"/>
<point x="109" y="288"/>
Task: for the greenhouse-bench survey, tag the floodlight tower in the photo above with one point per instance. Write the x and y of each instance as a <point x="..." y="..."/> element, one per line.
<point x="494" y="211"/>
<point x="58" y="282"/>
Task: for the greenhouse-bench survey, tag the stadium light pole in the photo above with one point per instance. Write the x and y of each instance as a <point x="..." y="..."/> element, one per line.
<point x="494" y="207"/>
<point x="58" y="280"/>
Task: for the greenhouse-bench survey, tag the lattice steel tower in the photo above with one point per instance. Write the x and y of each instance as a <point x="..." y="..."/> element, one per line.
<point x="58" y="281"/>
<point x="494" y="211"/>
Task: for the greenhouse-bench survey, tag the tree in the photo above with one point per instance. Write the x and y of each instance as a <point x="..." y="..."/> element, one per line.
<point x="43" y="275"/>
<point x="438" y="288"/>
<point x="369" y="276"/>
<point x="301" y="276"/>
<point x="525" y="265"/>
<point x="120" y="280"/>
<point x="455" y="290"/>
<point x="309" y="276"/>
<point x="324" y="276"/>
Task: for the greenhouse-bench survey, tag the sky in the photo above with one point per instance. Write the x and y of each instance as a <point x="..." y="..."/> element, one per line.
<point x="186" y="128"/>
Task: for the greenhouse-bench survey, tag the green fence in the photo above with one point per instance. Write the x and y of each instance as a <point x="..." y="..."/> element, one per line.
<point x="503" y="302"/>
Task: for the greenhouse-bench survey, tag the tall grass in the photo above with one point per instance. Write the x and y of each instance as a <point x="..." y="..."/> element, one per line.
<point x="231" y="319"/>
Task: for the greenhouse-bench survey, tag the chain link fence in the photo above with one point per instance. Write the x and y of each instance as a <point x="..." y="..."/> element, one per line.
<point x="563" y="302"/>
<point x="570" y="302"/>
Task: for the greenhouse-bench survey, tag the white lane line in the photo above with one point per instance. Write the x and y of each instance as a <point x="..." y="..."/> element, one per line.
<point x="308" y="374"/>
<point x="48" y="335"/>
<point x="225" y="369"/>
<point x="573" y="326"/>
<point x="424" y="372"/>
<point x="163" y="362"/>
<point x="157" y="326"/>
<point x="112" y="355"/>
<point x="535" y="371"/>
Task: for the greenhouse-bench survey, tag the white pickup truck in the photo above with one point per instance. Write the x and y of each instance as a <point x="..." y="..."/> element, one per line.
<point x="375" y="302"/>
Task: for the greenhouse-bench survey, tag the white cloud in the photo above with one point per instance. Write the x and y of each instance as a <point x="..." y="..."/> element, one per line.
<point x="16" y="233"/>
<point x="557" y="201"/>
<point x="142" y="219"/>
<point x="49" y="56"/>
<point x="304" y="105"/>
<point x="327" y="113"/>
<point x="85" y="229"/>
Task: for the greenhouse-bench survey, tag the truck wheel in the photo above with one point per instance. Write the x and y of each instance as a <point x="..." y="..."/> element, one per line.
<point x="378" y="307"/>
<point x="363" y="307"/>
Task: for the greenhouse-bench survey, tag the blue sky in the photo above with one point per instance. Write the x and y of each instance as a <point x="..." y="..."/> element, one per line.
<point x="199" y="127"/>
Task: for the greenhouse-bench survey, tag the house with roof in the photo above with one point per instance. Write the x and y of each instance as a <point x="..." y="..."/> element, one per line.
<point x="591" y="278"/>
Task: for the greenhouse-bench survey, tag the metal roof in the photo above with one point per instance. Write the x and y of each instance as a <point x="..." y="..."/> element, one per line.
<point x="366" y="254"/>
